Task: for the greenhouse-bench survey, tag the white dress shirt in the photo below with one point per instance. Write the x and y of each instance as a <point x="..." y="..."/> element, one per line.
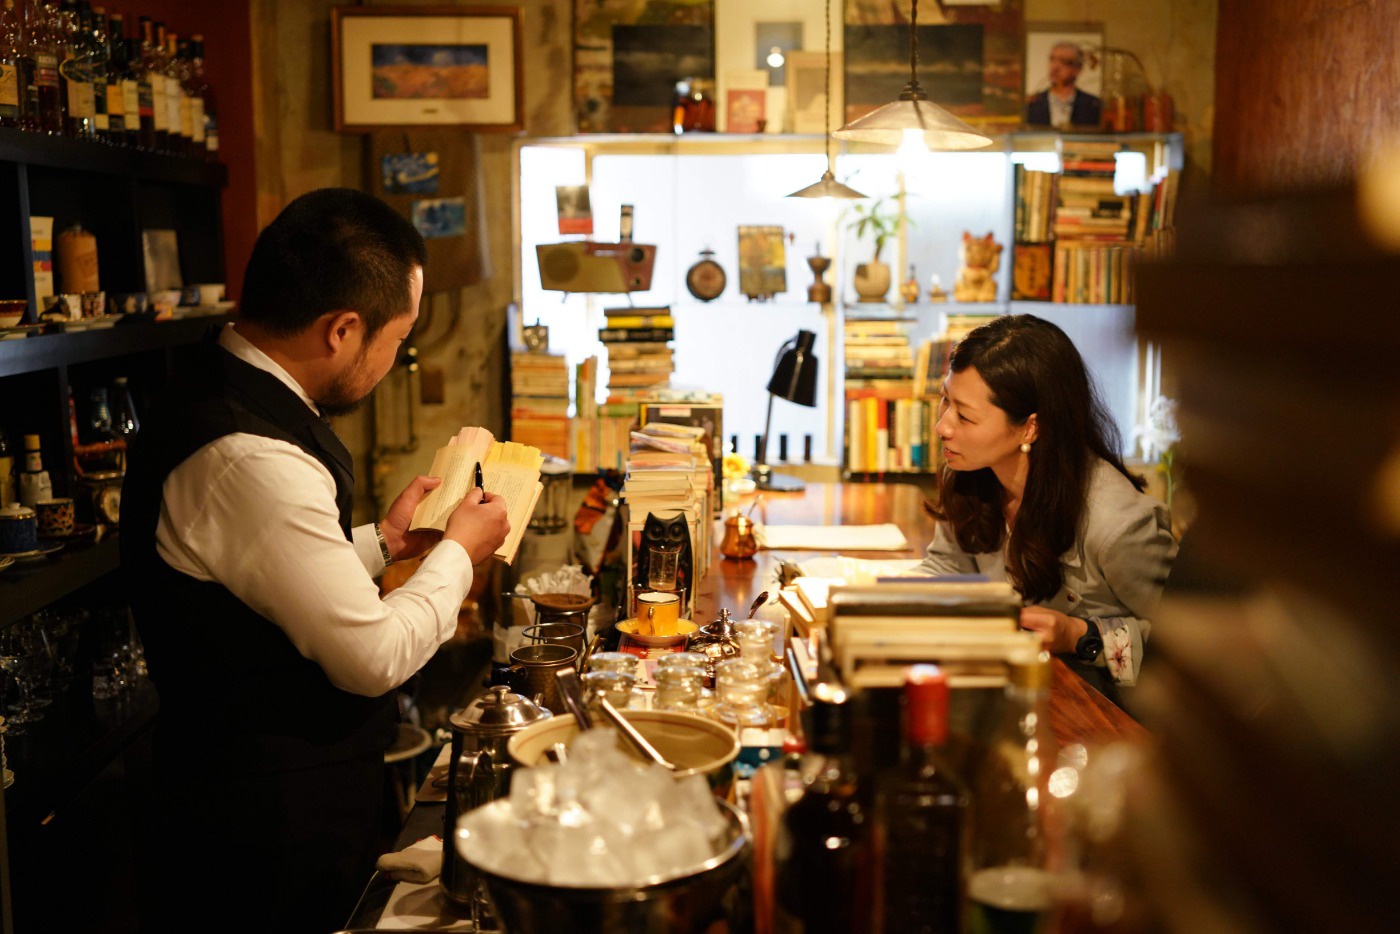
<point x="259" y="516"/>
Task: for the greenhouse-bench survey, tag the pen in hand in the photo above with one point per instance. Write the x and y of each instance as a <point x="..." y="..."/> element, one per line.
<point x="480" y="481"/>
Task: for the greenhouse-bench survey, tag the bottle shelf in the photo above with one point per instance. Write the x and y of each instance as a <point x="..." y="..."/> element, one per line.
<point x="26" y="587"/>
<point x="62" y="152"/>
<point x="42" y="351"/>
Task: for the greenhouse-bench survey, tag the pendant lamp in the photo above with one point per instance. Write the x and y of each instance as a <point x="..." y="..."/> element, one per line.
<point x="890" y="125"/>
<point x="828" y="186"/>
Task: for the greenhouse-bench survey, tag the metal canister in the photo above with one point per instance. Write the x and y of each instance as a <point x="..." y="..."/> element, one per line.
<point x="477" y="773"/>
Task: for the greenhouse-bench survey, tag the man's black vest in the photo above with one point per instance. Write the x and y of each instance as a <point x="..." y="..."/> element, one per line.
<point x="234" y="691"/>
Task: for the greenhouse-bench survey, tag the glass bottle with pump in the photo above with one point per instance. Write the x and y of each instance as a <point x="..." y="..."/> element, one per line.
<point x="1010" y="885"/>
<point x="921" y="812"/>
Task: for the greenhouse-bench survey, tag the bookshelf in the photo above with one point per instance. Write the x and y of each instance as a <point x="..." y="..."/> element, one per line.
<point x="692" y="192"/>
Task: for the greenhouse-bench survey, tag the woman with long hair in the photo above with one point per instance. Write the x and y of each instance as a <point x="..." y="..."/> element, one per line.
<point x="1033" y="491"/>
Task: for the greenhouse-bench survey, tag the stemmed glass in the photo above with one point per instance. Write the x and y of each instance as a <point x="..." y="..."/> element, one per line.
<point x="24" y="659"/>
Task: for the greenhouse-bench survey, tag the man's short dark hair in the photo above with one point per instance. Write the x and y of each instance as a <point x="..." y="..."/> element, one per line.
<point x="331" y="249"/>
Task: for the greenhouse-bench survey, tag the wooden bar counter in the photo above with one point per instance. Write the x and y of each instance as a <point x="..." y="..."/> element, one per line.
<point x="1079" y="713"/>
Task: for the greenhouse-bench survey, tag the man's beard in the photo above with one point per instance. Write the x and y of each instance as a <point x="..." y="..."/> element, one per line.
<point x="340" y="397"/>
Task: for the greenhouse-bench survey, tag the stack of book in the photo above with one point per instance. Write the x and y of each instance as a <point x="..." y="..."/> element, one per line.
<point x="886" y="425"/>
<point x="639" y="348"/>
<point x="1077" y="237"/>
<point x="669" y="475"/>
<point x="539" y="405"/>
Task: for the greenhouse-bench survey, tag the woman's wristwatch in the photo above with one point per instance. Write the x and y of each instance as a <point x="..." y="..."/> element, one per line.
<point x="1090" y="645"/>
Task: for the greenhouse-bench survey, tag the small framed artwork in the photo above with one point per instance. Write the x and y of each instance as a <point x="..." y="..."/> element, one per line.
<point x="807" y="83"/>
<point x="418" y="66"/>
<point x="1068" y="56"/>
<point x="762" y="261"/>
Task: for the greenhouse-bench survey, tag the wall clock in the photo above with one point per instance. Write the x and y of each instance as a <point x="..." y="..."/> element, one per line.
<point x="706" y="280"/>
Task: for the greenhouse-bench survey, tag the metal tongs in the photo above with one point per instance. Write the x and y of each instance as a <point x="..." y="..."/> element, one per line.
<point x="571" y="690"/>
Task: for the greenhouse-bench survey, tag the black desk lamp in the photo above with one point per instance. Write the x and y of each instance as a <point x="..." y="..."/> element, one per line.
<point x="794" y="379"/>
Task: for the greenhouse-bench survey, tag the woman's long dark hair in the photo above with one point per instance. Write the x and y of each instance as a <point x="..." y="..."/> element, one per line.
<point x="1032" y="368"/>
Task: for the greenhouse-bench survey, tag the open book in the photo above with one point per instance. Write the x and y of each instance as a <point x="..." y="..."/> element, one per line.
<point x="509" y="470"/>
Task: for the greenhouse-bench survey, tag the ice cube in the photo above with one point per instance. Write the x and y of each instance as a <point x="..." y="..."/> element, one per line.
<point x="673" y="851"/>
<point x="533" y="793"/>
<point x="692" y="800"/>
<point x="575" y="855"/>
<point x="490" y="838"/>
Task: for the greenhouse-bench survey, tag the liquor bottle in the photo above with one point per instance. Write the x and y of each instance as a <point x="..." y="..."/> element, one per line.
<point x="94" y="21"/>
<point x="117" y="133"/>
<point x="210" y="131"/>
<point x="921" y="813"/>
<point x="43" y="49"/>
<point x="80" y="113"/>
<point x="182" y="63"/>
<point x="195" y="87"/>
<point x="151" y="90"/>
<point x="125" y="424"/>
<point x="34" y="482"/>
<point x="1010" y="883"/>
<point x="11" y="90"/>
<point x="136" y="94"/>
<point x="7" y="470"/>
<point x="123" y="413"/>
<point x="25" y="75"/>
<point x="166" y="55"/>
<point x="823" y="851"/>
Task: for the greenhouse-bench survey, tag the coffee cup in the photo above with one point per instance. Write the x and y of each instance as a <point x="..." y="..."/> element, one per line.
<point x="17" y="529"/>
<point x="55" y="516"/>
<point x="210" y="293"/>
<point x="658" y="613"/>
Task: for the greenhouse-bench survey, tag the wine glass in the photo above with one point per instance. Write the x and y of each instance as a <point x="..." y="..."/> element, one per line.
<point x="22" y="660"/>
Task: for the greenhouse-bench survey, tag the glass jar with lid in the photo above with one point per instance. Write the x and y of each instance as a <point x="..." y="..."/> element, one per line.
<point x="741" y="696"/>
<point x="756" y="642"/>
<point x="680" y="688"/>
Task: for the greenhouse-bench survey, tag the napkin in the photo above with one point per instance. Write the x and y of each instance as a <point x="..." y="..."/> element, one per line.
<point x="421" y="862"/>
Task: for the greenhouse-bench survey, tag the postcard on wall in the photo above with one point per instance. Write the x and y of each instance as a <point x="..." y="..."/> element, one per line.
<point x="762" y="261"/>
<point x="410" y="173"/>
<point x="575" y="209"/>
<point x="436" y="218"/>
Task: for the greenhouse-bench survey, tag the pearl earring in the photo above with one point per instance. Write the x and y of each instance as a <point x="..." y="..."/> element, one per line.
<point x="1025" y="447"/>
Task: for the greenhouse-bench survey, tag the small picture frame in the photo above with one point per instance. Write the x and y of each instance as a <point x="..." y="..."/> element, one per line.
<point x="762" y="261"/>
<point x="416" y="66"/>
<point x="806" y="80"/>
<point x="1042" y="38"/>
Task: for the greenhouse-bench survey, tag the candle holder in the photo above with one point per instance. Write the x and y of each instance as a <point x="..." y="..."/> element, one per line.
<point x="818" y="291"/>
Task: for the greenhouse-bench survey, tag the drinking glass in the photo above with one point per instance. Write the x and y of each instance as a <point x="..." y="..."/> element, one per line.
<point x="663" y="566"/>
<point x="23" y="660"/>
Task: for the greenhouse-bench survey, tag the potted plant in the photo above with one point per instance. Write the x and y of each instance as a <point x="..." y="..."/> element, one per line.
<point x="872" y="279"/>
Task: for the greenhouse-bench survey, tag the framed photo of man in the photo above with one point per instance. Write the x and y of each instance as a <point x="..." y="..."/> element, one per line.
<point x="1064" y="77"/>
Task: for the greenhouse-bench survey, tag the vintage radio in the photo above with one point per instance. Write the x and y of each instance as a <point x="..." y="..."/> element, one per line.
<point x="583" y="266"/>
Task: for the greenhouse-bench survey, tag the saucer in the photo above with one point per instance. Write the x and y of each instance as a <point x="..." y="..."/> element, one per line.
<point x="37" y="553"/>
<point x="81" y="530"/>
<point x="686" y="630"/>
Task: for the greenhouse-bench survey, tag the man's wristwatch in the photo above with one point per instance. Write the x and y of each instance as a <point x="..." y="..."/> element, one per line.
<point x="1090" y="644"/>
<point x="383" y="545"/>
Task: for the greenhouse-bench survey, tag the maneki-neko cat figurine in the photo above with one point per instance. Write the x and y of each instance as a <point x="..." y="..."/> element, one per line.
<point x="981" y="258"/>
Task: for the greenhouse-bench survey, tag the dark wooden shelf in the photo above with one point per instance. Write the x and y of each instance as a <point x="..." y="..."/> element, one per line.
<point x="29" y="586"/>
<point x="60" y="152"/>
<point x="42" y="351"/>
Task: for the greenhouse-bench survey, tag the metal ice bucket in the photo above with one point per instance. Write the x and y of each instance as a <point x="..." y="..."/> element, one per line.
<point x="685" y="903"/>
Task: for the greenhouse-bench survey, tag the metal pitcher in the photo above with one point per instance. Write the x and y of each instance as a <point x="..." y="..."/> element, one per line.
<point x="478" y="773"/>
<point x="532" y="669"/>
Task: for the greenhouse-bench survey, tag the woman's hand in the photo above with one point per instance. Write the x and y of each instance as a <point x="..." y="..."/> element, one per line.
<point x="1058" y="632"/>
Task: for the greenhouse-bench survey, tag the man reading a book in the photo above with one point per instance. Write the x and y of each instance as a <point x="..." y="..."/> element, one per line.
<point x="274" y="655"/>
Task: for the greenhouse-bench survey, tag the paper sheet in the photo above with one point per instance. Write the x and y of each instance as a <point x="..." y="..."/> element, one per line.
<point x="885" y="537"/>
<point x="857" y="570"/>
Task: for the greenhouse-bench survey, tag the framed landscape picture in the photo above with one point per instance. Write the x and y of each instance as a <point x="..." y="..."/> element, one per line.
<point x="411" y="66"/>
